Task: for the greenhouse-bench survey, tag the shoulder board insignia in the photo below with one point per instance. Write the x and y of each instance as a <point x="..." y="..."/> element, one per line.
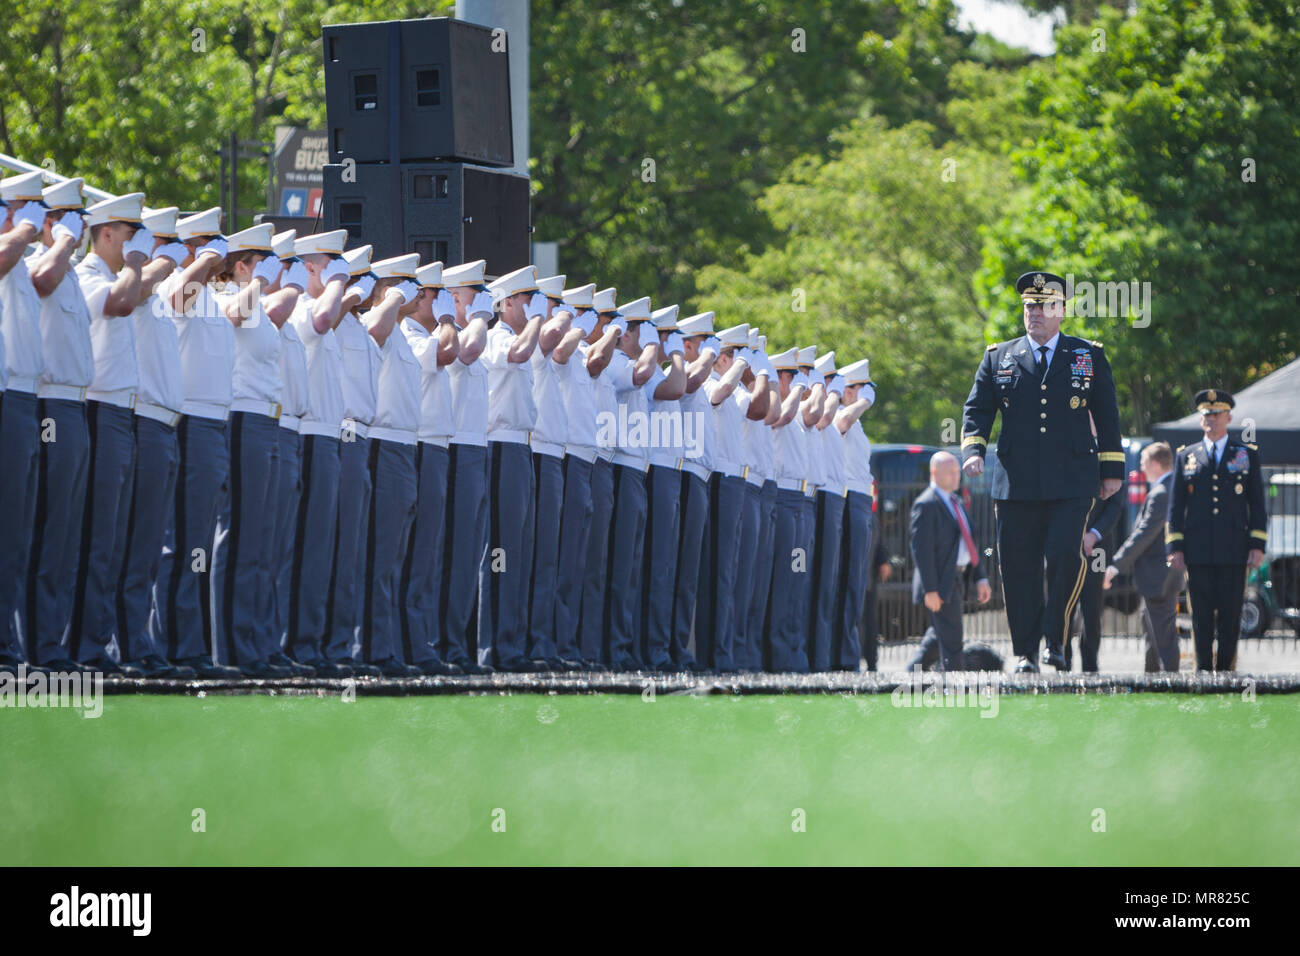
<point x="1179" y="448"/>
<point x="991" y="347"/>
<point x="1099" y="345"/>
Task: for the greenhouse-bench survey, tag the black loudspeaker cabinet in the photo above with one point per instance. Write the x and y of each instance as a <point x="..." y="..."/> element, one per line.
<point x="451" y="212"/>
<point x="417" y="91"/>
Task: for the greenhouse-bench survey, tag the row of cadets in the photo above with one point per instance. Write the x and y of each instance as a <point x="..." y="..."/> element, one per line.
<point x="760" y="475"/>
<point x="857" y="547"/>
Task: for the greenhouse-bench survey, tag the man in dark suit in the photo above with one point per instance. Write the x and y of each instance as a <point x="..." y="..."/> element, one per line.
<point x="1049" y="389"/>
<point x="1218" y="526"/>
<point x="943" y="552"/>
<point x="1143" y="554"/>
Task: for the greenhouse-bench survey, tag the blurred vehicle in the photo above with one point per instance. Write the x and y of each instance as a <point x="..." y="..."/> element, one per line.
<point x="1273" y="589"/>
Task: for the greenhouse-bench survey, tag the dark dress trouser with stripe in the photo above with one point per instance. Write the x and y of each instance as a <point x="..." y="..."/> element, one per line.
<point x="313" y="557"/>
<point x="749" y="644"/>
<point x="242" y="558"/>
<point x="548" y="503"/>
<point x="506" y="564"/>
<point x="140" y="604"/>
<point x="715" y="619"/>
<point x="575" y="534"/>
<point x="593" y="636"/>
<point x="826" y="582"/>
<point x="757" y="628"/>
<point x="787" y="650"/>
<point x="465" y="543"/>
<point x="804" y="580"/>
<point x="392" y="514"/>
<point x="626" y="553"/>
<point x="694" y="527"/>
<point x="20" y="457"/>
<point x="659" y="574"/>
<point x="421" y="582"/>
<point x="347" y="583"/>
<point x="202" y="484"/>
<point x="855" y="549"/>
<point x="287" y="495"/>
<point x="1216" y="592"/>
<point x="56" y="539"/>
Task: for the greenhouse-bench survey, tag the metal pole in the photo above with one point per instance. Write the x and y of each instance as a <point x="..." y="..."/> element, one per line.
<point x="18" y="166"/>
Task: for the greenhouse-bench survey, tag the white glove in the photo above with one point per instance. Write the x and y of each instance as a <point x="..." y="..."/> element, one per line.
<point x="297" y="276"/>
<point x="674" y="344"/>
<point x="836" y="386"/>
<point x="537" y="306"/>
<point x="33" y="213"/>
<point x="362" y="287"/>
<point x="711" y="344"/>
<point x="268" y="269"/>
<point x="69" y="224"/>
<point x="141" y="242"/>
<point x="648" y="335"/>
<point x="766" y="364"/>
<point x="444" y="306"/>
<point x="337" y="269"/>
<point x="216" y="246"/>
<point x="481" y="306"/>
<point x="741" y="355"/>
<point x="408" y="289"/>
<point x="585" y="320"/>
<point x="177" y="252"/>
<point x="800" y="380"/>
<point x="618" y="322"/>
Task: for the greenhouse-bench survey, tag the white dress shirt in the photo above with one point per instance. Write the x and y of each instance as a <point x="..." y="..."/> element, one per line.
<point x="551" y="430"/>
<point x="1051" y="350"/>
<point x="397" y="412"/>
<point x="697" y="409"/>
<point x="68" y="361"/>
<point x="832" y="458"/>
<point x="607" y="407"/>
<point x="437" y="419"/>
<point x="469" y="402"/>
<point x="1215" y="449"/>
<point x="112" y="338"/>
<point x="728" y="426"/>
<point x="258" y="382"/>
<point x="360" y="374"/>
<point x="631" y="423"/>
<point x="512" y="410"/>
<point x="295" y="395"/>
<point x="578" y="392"/>
<point x="857" y="459"/>
<point x="324" y="374"/>
<point x="207" y="343"/>
<point x="161" y="392"/>
<point x="20" y="329"/>
<point x="790" y="442"/>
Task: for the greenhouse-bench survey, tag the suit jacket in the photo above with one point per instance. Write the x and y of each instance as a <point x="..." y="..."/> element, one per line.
<point x="935" y="539"/>
<point x="1046" y="446"/>
<point x="1143" y="552"/>
<point x="1217" y="515"/>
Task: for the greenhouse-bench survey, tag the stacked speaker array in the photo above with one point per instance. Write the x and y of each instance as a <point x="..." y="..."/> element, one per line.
<point x="419" y="123"/>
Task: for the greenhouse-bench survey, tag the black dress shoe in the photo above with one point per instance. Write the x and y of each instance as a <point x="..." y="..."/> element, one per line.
<point x="111" y="668"/>
<point x="1025" y="665"/>
<point x="392" y="667"/>
<point x="204" y="669"/>
<point x="624" y="664"/>
<point x="594" y="667"/>
<point x="570" y="666"/>
<point x="437" y="668"/>
<point x="521" y="665"/>
<point x="361" y="668"/>
<point x="329" y="669"/>
<point x="63" y="664"/>
<point x="295" y="669"/>
<point x="1056" y="659"/>
<point x="477" y="670"/>
<point x="264" y="670"/>
<point x="155" y="667"/>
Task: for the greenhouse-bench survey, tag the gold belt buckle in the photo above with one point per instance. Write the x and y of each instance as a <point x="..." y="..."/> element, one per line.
<point x="276" y="409"/>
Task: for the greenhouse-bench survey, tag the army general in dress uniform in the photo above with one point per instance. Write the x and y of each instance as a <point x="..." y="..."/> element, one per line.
<point x="1217" y="528"/>
<point x="1046" y="385"/>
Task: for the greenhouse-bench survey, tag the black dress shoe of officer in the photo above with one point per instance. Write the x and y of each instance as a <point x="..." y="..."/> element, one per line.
<point x="154" y="667"/>
<point x="111" y="668"/>
<point x="295" y="669"/>
<point x="1025" y="665"/>
<point x="264" y="670"/>
<point x="329" y="669"/>
<point x="477" y="670"/>
<point x="204" y="669"/>
<point x="437" y="668"/>
<point x="361" y="668"/>
<point x="64" y="665"/>
<point x="392" y="667"/>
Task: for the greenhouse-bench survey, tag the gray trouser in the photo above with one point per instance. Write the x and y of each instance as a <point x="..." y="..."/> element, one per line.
<point x="694" y="525"/>
<point x="662" y="530"/>
<point x="20" y="457"/>
<point x="392" y="513"/>
<point x="242" y="560"/>
<point x="786" y="624"/>
<point x="506" y="564"/>
<point x="762" y="575"/>
<point x="288" y="493"/>
<point x="1160" y="621"/>
<point x="749" y="644"/>
<point x="826" y="582"/>
<point x="313" y="556"/>
<point x="466" y="541"/>
<point x="347" y="584"/>
<point x="855" y="552"/>
<point x="591" y="628"/>
<point x="421" y="585"/>
<point x="548" y="505"/>
<point x="56" y="539"/>
<point x="626" y="553"/>
<point x="715" y="619"/>
<point x="575" y="531"/>
<point x="140" y="605"/>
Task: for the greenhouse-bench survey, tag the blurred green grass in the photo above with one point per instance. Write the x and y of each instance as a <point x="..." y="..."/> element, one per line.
<point x="1182" y="780"/>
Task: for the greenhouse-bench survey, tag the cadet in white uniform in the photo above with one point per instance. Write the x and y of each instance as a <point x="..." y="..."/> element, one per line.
<point x="663" y="503"/>
<point x="247" y="289"/>
<point x="360" y="395"/>
<point x="69" y="368"/>
<point x="810" y="415"/>
<point x="701" y="351"/>
<point x="512" y="414"/>
<point x="157" y="412"/>
<point x="827" y="581"/>
<point x="760" y="452"/>
<point x="207" y="346"/>
<point x="857" y="550"/>
<point x="785" y="626"/>
<point x="393" y="474"/>
<point x="467" y="480"/>
<point x="21" y="365"/>
<point x="315" y="316"/>
<point x="435" y="342"/>
<point x="110" y="277"/>
<point x="748" y="653"/>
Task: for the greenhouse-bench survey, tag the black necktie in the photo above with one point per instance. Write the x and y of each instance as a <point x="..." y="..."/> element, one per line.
<point x="1042" y="361"/>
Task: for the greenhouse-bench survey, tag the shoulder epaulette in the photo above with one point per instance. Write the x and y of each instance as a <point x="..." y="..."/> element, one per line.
<point x="1099" y="345"/>
<point x="991" y="347"/>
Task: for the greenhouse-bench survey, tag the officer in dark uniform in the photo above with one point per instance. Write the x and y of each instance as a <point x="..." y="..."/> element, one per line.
<point x="1218" y="525"/>
<point x="1053" y="469"/>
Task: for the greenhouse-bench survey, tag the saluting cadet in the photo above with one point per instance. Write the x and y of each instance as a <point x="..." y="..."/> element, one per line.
<point x="602" y="352"/>
<point x="110" y="277"/>
<point x="248" y="293"/>
<point x="467" y="481"/>
<point x="393" y="474"/>
<point x="360" y="394"/>
<point x="512" y="413"/>
<point x="20" y="371"/>
<point x="637" y="378"/>
<point x="811" y="412"/>
<point x="69" y="368"/>
<point x="760" y="455"/>
<point x="286" y="495"/>
<point x="827" y="582"/>
<point x="1045" y="385"/>
<point x="667" y="451"/>
<point x="431" y="333"/>
<point x="748" y="650"/>
<point x="316" y="314"/>
<point x="701" y="351"/>
<point x="556" y="344"/>
<point x="784" y="643"/>
<point x="856" y="545"/>
<point x="1218" y="527"/>
<point x="577" y="392"/>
